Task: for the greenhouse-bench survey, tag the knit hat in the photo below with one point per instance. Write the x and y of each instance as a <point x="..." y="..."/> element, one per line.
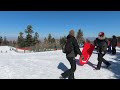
<point x="101" y="36"/>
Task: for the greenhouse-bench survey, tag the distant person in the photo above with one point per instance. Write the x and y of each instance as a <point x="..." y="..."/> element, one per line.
<point x="114" y="44"/>
<point x="71" y="49"/>
<point x="109" y="46"/>
<point x="1" y="51"/>
<point x="55" y="47"/>
<point x="87" y="40"/>
<point x="102" y="45"/>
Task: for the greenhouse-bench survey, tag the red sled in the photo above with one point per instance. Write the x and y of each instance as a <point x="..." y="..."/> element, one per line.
<point x="86" y="52"/>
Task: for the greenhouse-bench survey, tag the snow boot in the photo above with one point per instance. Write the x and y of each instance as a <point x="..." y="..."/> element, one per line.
<point x="97" y="68"/>
<point x="61" y="77"/>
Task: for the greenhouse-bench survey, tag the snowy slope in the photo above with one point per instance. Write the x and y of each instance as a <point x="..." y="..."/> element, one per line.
<point x="3" y="49"/>
<point x="49" y="65"/>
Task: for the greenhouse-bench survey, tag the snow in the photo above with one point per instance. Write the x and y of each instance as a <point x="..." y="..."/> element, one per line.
<point x="50" y="64"/>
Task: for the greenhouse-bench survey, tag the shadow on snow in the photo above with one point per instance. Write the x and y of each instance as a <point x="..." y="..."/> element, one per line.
<point x="114" y="68"/>
<point x="62" y="67"/>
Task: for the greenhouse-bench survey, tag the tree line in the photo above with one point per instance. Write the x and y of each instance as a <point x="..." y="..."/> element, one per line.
<point x="4" y="42"/>
<point x="31" y="39"/>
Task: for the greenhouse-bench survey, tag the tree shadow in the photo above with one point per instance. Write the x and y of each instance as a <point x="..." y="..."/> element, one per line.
<point x="62" y="67"/>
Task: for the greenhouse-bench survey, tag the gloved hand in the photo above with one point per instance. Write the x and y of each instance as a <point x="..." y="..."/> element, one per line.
<point x="102" y="52"/>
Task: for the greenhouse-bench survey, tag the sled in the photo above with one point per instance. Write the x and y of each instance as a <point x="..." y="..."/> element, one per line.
<point x="86" y="52"/>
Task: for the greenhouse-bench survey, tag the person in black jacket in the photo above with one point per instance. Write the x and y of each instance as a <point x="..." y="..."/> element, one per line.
<point x="102" y="45"/>
<point x="71" y="57"/>
<point x="114" y="44"/>
<point x="109" y="46"/>
<point x="96" y="44"/>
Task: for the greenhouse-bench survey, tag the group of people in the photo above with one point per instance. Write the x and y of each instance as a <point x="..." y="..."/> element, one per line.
<point x="6" y="50"/>
<point x="2" y="51"/>
<point x="101" y="43"/>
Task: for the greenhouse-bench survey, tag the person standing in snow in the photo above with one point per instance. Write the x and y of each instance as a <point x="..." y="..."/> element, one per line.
<point x="102" y="45"/>
<point x="109" y="46"/>
<point x="87" y="40"/>
<point x="72" y="45"/>
<point x="114" y="44"/>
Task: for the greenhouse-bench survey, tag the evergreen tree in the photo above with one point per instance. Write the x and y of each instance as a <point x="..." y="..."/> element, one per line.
<point x="63" y="41"/>
<point x="53" y="43"/>
<point x="29" y="39"/>
<point x="1" y="40"/>
<point x="29" y="30"/>
<point x="20" y="40"/>
<point x="79" y="37"/>
<point x="45" y="44"/>
<point x="36" y="37"/>
<point x="49" y="41"/>
<point x="53" y="40"/>
<point x="45" y="40"/>
<point x="5" y="41"/>
<point x="49" y="38"/>
<point x="36" y="41"/>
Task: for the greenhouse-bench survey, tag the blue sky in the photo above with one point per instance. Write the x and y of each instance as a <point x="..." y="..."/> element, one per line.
<point x="58" y="23"/>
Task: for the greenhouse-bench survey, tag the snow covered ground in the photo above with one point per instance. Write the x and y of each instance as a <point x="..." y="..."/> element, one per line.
<point x="50" y="64"/>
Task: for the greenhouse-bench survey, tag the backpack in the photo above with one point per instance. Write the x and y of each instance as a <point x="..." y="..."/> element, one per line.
<point x="68" y="47"/>
<point x="103" y="45"/>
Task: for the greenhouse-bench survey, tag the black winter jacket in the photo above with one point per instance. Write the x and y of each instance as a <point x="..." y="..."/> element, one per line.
<point x="114" y="42"/>
<point x="76" y="49"/>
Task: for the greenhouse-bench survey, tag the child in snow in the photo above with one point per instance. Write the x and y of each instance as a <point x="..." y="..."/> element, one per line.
<point x="102" y="49"/>
<point x="74" y="47"/>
